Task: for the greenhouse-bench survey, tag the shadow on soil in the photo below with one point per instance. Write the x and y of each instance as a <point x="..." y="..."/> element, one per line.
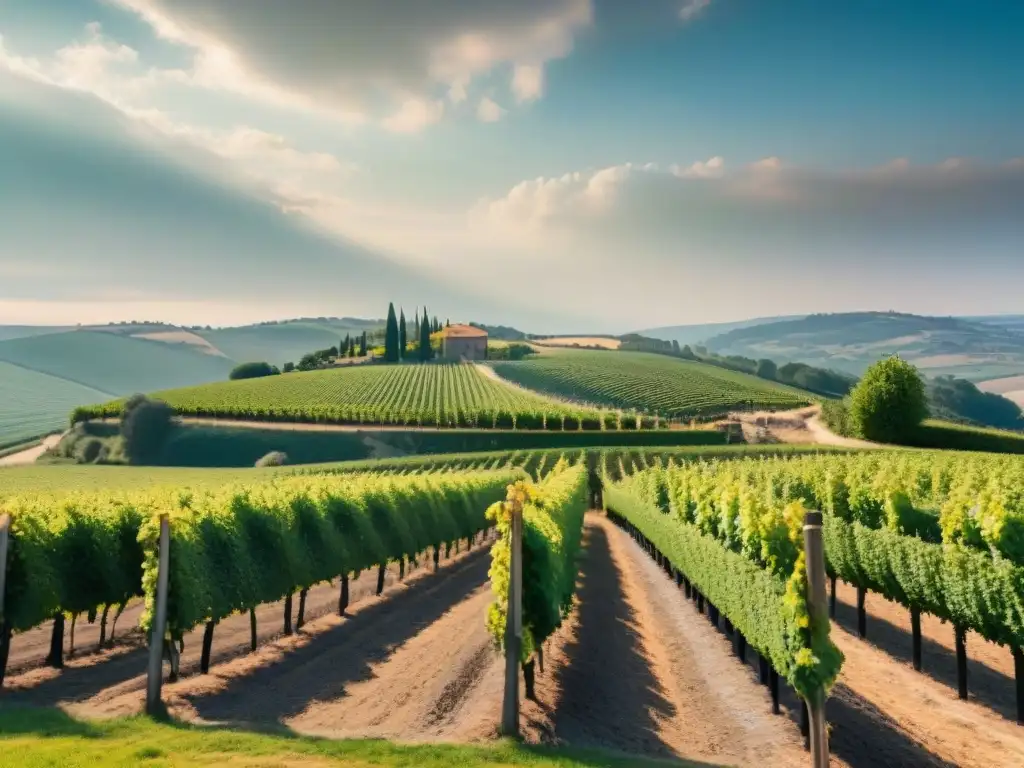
<point x="988" y="686"/>
<point x="345" y="654"/>
<point x="594" y="708"/>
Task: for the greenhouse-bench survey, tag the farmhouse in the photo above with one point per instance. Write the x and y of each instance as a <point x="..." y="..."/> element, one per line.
<point x="463" y="342"/>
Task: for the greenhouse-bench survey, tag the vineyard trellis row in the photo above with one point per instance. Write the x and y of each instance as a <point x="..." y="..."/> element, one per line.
<point x="936" y="532"/>
<point x="651" y="383"/>
<point x="233" y="547"/>
<point x="433" y="395"/>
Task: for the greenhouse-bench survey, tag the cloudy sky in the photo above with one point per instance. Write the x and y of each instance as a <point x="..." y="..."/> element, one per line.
<point x="566" y="165"/>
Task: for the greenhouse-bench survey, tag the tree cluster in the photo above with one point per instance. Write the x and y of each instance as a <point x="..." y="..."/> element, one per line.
<point x="253" y="371"/>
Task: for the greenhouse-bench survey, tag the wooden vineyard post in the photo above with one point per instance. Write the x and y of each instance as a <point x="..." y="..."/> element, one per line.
<point x="1018" y="673"/>
<point x="513" y="622"/>
<point x="817" y="609"/>
<point x="862" y="614"/>
<point x="5" y="632"/>
<point x="915" y="631"/>
<point x="158" y="627"/>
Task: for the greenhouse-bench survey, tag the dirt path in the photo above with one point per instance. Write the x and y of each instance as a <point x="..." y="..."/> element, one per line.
<point x="979" y="732"/>
<point x="29" y="455"/>
<point x="634" y="669"/>
<point x="803" y="425"/>
<point x="112" y="681"/>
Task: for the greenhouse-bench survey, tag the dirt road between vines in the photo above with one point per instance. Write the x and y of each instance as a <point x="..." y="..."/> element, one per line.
<point x="803" y="425"/>
<point x="29" y="455"/>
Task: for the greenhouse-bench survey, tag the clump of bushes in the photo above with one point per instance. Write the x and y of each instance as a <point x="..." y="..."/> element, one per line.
<point x="887" y="405"/>
<point x="253" y="371"/>
<point x="273" y="459"/>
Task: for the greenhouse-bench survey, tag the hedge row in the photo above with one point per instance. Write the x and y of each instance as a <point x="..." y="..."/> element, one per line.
<point x="552" y="528"/>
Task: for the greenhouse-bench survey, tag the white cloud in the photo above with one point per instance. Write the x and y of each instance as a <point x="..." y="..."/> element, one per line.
<point x="488" y="111"/>
<point x="707" y="169"/>
<point x="528" y="82"/>
<point x="414" y="115"/>
<point x="692" y="9"/>
<point x="342" y="57"/>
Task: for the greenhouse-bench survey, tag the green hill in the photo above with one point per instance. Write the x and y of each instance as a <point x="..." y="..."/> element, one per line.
<point x="649" y="382"/>
<point x="115" y="364"/>
<point x="279" y="343"/>
<point x="33" y="404"/>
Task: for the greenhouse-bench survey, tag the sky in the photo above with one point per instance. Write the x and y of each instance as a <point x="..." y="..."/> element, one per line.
<point x="558" y="165"/>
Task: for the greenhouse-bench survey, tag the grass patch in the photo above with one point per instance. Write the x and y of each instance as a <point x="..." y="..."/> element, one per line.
<point x="32" y="738"/>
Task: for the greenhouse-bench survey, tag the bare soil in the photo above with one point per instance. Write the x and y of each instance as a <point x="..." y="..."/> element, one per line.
<point x="29" y="455"/>
<point x="802" y="425"/>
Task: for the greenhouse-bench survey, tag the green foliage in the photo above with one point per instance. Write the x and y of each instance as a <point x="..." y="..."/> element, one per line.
<point x="552" y="528"/>
<point x="235" y="547"/>
<point x="273" y="459"/>
<point x="252" y="371"/>
<point x="71" y="554"/>
<point x="836" y="415"/>
<point x="145" y="426"/>
<point x="652" y="383"/>
<point x="889" y="403"/>
<point x="961" y="399"/>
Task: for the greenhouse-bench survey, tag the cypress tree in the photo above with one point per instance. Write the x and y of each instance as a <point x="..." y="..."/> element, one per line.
<point x="403" y="335"/>
<point x="425" y="351"/>
<point x="362" y="345"/>
<point x="391" y="336"/>
<point x="351" y="347"/>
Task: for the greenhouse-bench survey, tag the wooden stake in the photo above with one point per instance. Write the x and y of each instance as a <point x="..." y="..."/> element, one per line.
<point x="5" y="629"/>
<point x="301" y="619"/>
<point x="513" y="623"/>
<point x="1018" y="671"/>
<point x="288" y="614"/>
<point x="832" y="599"/>
<point x="817" y="609"/>
<point x="158" y="628"/>
<point x="252" y="630"/>
<point x="380" y="577"/>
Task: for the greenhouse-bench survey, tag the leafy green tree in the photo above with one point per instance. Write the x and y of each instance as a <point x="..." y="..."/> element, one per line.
<point x="889" y="403"/>
<point x="391" y="336"/>
<point x="766" y="369"/>
<point x="145" y="426"/>
<point x="403" y="334"/>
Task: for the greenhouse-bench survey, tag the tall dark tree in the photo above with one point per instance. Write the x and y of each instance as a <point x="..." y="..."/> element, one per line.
<point x="403" y="335"/>
<point x="391" y="337"/>
<point x="351" y="347"/>
<point x="362" y="345"/>
<point x="425" y="351"/>
<point x="447" y="323"/>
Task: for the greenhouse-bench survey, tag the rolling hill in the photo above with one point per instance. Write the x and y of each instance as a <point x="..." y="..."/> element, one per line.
<point x="701" y="332"/>
<point x="279" y="343"/>
<point x="850" y="342"/>
<point x="33" y="404"/>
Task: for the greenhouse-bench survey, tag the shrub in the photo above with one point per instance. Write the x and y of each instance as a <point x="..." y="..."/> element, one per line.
<point x="252" y="371"/>
<point x="889" y="403"/>
<point x="145" y="426"/>
<point x="836" y="415"/>
<point x="273" y="459"/>
<point x="88" y="451"/>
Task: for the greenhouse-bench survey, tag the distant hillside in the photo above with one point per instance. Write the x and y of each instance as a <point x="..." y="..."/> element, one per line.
<point x="114" y="364"/>
<point x="23" y="331"/>
<point x="33" y="403"/>
<point x="852" y="341"/>
<point x="698" y="334"/>
<point x="279" y="343"/>
<point x="1012" y="322"/>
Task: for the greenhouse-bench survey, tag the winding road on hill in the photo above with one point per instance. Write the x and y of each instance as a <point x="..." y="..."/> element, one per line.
<point x="29" y="455"/>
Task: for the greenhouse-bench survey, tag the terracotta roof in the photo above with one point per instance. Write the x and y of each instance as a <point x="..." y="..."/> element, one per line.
<point x="463" y="331"/>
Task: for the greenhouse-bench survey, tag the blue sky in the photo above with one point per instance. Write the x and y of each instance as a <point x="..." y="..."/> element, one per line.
<point x="556" y="164"/>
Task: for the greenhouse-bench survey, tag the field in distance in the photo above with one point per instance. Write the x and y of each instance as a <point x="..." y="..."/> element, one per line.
<point x="433" y="395"/>
<point x="654" y="383"/>
<point x="578" y="341"/>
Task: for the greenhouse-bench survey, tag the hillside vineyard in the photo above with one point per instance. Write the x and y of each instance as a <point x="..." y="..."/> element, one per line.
<point x="434" y="395"/>
<point x="648" y="382"/>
